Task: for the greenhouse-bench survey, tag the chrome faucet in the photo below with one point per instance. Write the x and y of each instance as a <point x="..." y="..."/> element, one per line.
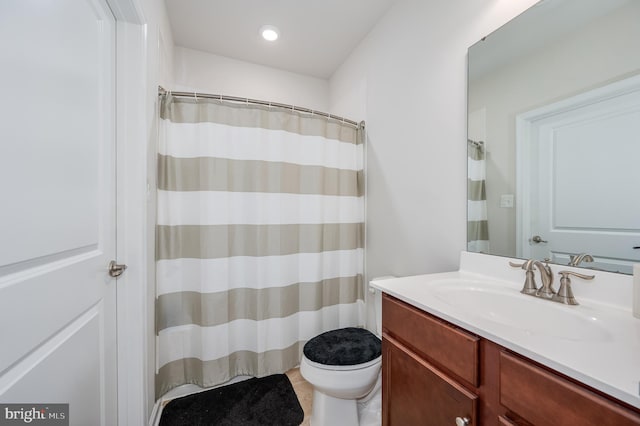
<point x="547" y="292"/>
<point x="546" y="276"/>
<point x="576" y="259"/>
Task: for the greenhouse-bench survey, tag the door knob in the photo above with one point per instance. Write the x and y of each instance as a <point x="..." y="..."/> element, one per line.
<point x="115" y="270"/>
<point x="538" y="239"/>
<point x="462" y="421"/>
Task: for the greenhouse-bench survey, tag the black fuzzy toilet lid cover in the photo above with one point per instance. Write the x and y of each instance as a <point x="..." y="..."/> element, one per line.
<point x="344" y="346"/>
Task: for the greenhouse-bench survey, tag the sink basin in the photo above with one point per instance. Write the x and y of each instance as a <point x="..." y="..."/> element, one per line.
<point x="508" y="307"/>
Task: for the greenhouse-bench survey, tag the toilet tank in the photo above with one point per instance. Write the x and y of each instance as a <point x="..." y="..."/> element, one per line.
<point x="377" y="304"/>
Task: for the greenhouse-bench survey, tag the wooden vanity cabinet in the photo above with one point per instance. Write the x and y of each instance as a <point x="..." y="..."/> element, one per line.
<point x="434" y="372"/>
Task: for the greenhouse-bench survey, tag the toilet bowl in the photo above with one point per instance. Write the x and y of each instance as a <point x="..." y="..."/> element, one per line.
<point x="342" y="366"/>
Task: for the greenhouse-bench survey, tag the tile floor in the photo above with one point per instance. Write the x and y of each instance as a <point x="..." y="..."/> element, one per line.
<point x="304" y="391"/>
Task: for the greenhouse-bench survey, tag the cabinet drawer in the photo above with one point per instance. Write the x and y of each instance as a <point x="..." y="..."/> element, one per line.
<point x="441" y="343"/>
<point x="544" y="398"/>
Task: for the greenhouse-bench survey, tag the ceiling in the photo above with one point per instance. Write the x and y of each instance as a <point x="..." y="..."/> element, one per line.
<point x="539" y="26"/>
<point x="315" y="36"/>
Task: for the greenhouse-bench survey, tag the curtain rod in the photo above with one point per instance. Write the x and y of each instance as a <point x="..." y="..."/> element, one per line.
<point x="196" y="95"/>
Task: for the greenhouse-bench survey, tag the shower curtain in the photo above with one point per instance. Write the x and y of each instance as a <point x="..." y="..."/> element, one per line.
<point x="477" y="225"/>
<point x="259" y="237"/>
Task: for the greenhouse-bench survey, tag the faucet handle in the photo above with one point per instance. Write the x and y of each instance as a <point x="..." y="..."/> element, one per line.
<point x="565" y="294"/>
<point x="565" y="274"/>
<point x="527" y="265"/>
<point x="530" y="286"/>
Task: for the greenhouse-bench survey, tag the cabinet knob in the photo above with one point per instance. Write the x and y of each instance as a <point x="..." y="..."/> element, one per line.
<point x="462" y="421"/>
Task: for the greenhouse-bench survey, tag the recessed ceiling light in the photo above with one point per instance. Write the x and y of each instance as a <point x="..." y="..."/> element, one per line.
<point x="269" y="33"/>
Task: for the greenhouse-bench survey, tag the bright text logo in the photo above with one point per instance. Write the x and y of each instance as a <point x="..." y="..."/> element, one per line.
<point x="36" y="414"/>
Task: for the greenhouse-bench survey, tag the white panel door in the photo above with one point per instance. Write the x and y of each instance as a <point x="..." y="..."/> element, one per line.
<point x="57" y="220"/>
<point x="588" y="198"/>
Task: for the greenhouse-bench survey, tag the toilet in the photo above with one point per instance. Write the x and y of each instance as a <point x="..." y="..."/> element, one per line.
<point x="343" y="366"/>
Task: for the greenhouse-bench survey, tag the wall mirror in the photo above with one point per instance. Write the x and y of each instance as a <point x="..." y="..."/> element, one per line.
<point x="554" y="135"/>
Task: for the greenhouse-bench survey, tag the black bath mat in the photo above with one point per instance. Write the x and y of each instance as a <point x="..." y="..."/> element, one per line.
<point x="269" y="400"/>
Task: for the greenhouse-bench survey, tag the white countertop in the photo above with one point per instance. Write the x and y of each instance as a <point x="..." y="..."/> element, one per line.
<point x="609" y="362"/>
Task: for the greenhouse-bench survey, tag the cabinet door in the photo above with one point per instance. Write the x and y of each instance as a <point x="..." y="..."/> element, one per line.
<point x="414" y="392"/>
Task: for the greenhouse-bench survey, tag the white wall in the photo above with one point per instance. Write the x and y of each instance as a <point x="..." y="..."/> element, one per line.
<point x="203" y="72"/>
<point x="407" y="79"/>
<point x="159" y="48"/>
<point x="603" y="51"/>
<point x="144" y="59"/>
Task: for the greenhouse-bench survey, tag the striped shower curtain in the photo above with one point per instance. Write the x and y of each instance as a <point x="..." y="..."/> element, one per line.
<point x="477" y="225"/>
<point x="259" y="238"/>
